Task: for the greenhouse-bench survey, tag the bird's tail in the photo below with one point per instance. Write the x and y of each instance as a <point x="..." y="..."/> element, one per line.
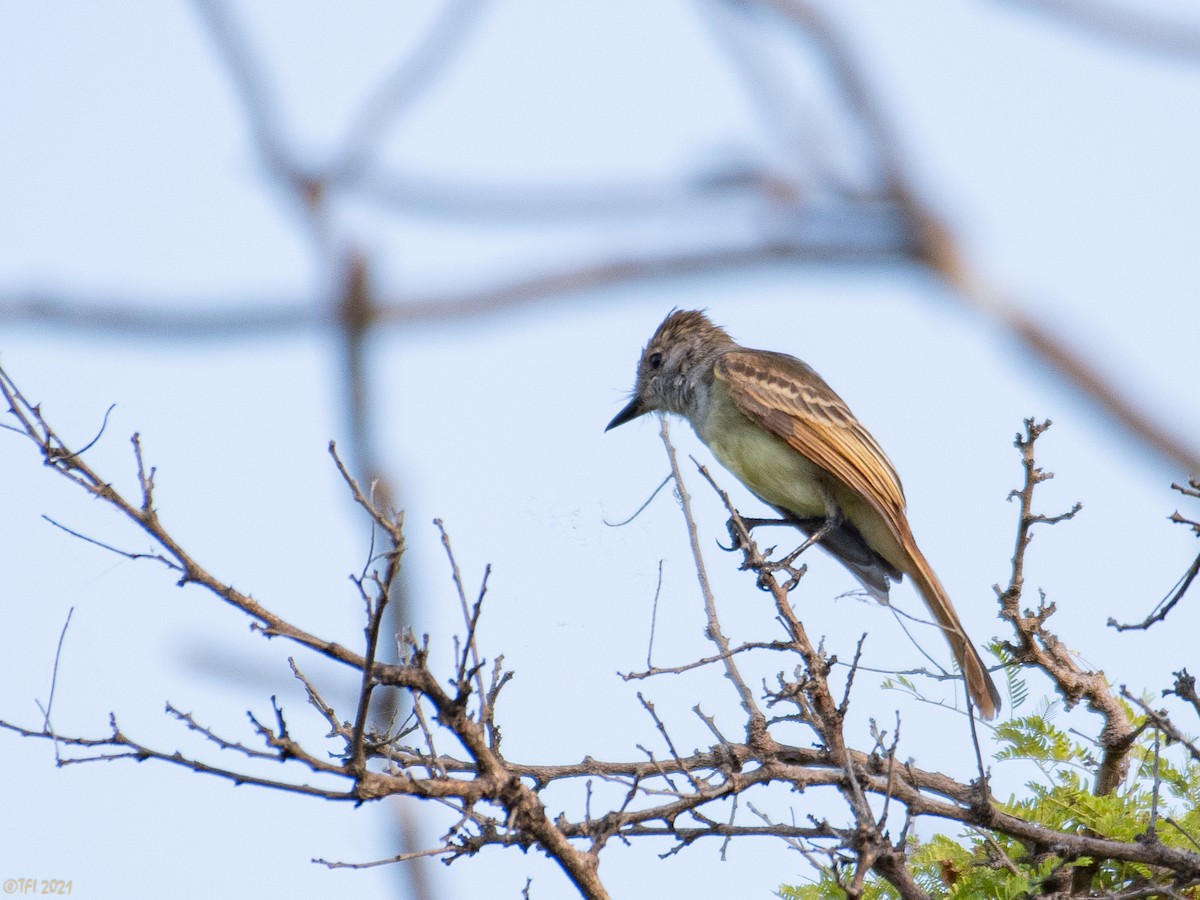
<point x="846" y="544"/>
<point x="979" y="682"/>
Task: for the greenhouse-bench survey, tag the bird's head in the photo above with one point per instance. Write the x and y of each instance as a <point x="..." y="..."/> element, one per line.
<point x="675" y="365"/>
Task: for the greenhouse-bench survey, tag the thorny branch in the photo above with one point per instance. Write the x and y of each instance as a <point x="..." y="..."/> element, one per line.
<point x="684" y="798"/>
<point x="1037" y="646"/>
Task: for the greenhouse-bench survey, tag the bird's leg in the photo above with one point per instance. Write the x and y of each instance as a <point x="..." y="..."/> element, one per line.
<point x="749" y="524"/>
<point x="756" y="523"/>
<point x="832" y="520"/>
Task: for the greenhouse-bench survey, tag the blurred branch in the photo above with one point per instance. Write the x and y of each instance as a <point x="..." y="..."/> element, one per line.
<point x="1066" y="362"/>
<point x="1125" y="24"/>
<point x="264" y="118"/>
<point x="250" y="83"/>
<point x="577" y="280"/>
<point x="407" y="82"/>
<point x="344" y="272"/>
<point x="539" y="203"/>
<point x="892" y="225"/>
<point x="158" y="318"/>
<point x="80" y="314"/>
<point x="939" y="250"/>
<point x="764" y="84"/>
<point x="141" y="318"/>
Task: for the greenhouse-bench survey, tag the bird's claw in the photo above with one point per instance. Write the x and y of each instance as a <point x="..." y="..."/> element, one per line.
<point x="735" y="535"/>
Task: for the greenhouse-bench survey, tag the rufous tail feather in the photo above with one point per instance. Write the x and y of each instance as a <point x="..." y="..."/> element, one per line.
<point x="979" y="682"/>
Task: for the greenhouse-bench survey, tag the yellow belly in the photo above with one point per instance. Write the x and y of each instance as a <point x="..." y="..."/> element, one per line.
<point x="786" y="479"/>
<point x="763" y="462"/>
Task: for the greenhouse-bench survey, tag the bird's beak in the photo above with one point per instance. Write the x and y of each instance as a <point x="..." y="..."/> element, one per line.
<point x="628" y="414"/>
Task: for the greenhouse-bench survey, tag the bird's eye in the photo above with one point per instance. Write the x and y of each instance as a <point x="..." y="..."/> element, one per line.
<point x="655" y="360"/>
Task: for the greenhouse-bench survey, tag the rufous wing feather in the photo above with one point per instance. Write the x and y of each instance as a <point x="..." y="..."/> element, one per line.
<point x="789" y="399"/>
<point x="786" y="397"/>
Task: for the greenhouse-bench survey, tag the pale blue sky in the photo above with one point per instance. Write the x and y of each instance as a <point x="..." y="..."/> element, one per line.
<point x="1067" y="164"/>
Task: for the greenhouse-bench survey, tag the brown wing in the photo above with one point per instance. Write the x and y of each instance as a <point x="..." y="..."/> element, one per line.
<point x="788" y="398"/>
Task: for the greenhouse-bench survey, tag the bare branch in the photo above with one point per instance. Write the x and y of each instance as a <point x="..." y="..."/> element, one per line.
<point x="1038" y="646"/>
<point x="756" y="724"/>
<point x="1164" y="607"/>
<point x="684" y="798"/>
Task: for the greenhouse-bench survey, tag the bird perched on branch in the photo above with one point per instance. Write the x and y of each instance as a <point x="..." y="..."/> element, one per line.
<point x="775" y="424"/>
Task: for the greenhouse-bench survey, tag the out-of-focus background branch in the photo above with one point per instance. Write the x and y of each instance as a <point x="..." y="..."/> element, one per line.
<point x="805" y="212"/>
<point x="441" y="233"/>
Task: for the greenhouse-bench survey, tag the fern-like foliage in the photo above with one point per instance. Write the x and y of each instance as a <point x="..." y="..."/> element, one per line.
<point x="990" y="864"/>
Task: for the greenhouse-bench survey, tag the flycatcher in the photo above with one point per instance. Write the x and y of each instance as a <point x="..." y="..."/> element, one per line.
<point x="775" y="424"/>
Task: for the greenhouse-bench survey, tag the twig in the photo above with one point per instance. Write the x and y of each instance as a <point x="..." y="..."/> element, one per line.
<point x="1162" y="723"/>
<point x="756" y="720"/>
<point x="637" y="512"/>
<point x="470" y="615"/>
<point x="706" y="661"/>
<point x="399" y="857"/>
<point x="1164" y="607"/>
<point x="654" y="617"/>
<point x="62" y="635"/>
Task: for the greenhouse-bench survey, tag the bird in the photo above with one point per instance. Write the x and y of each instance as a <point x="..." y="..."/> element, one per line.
<point x="773" y="422"/>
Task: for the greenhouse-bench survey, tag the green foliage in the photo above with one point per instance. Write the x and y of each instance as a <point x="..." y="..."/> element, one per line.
<point x="1018" y="687"/>
<point x="983" y="864"/>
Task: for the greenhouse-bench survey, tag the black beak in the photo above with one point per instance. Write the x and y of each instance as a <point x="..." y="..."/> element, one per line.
<point x="628" y="414"/>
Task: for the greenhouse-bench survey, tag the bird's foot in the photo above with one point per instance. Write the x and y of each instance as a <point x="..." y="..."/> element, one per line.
<point x="748" y="525"/>
<point x="816" y="529"/>
<point x="767" y="570"/>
